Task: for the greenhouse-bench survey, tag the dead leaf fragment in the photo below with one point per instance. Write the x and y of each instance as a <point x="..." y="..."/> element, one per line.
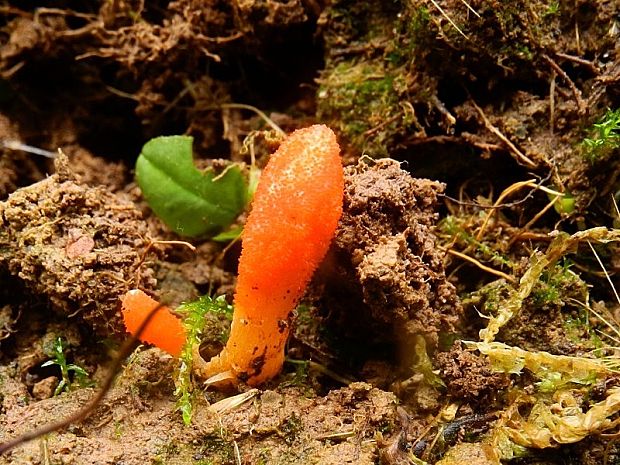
<point x="78" y="243"/>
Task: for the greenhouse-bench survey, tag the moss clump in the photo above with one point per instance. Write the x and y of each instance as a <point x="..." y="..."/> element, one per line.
<point x="557" y="286"/>
<point x="196" y="314"/>
<point x="218" y="449"/>
<point x="365" y="101"/>
<point x="606" y="138"/>
<point x="290" y="429"/>
<point x="366" y="83"/>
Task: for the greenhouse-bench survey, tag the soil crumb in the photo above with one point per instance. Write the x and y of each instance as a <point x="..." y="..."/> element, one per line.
<point x="469" y="376"/>
<point x="78" y="246"/>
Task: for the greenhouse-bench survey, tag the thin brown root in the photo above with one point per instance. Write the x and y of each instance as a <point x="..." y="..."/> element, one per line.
<point x="601" y="317"/>
<point x="598" y="259"/>
<point x="538" y="215"/>
<point x="269" y="121"/>
<point x="220" y="257"/>
<point x="323" y="370"/>
<point x="153" y="243"/>
<point x="237" y="453"/>
<point x="483" y="267"/>
<point x="581" y="104"/>
<point x="186" y="244"/>
<point x="469" y="7"/>
<point x="509" y="191"/>
<point x="613" y="199"/>
<point x="533" y="236"/>
<point x="581" y="61"/>
<point x="535" y="218"/>
<point x="445" y="15"/>
<point x="123" y="94"/>
<point x="552" y="102"/>
<point x="17" y="145"/>
<point x="521" y="158"/>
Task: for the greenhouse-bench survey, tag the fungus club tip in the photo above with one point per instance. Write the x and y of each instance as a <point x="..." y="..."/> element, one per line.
<point x="164" y="330"/>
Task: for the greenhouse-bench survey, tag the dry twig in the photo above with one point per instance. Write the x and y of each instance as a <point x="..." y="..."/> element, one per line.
<point x="581" y="104"/>
<point x="520" y="156"/>
<point x="488" y="269"/>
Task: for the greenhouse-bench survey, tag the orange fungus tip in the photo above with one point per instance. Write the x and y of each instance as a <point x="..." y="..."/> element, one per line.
<point x="165" y="330"/>
<point x="293" y="218"/>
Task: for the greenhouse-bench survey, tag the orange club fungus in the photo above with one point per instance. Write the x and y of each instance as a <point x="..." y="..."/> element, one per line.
<point x="294" y="216"/>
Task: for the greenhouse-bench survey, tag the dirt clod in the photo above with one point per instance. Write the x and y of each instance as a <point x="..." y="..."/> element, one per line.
<point x="386" y="245"/>
<point x="79" y="246"/>
<point x="469" y="376"/>
<point x="44" y="389"/>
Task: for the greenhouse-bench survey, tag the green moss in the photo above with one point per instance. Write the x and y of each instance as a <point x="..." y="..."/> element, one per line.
<point x="419" y="21"/>
<point x="489" y="298"/>
<point x="165" y="452"/>
<point x="195" y="317"/>
<point x="606" y="138"/>
<point x="364" y="86"/>
<point x="364" y="101"/>
<point x="579" y="330"/>
<point x="290" y="429"/>
<point x="118" y="429"/>
<point x="507" y="33"/>
<point x="218" y="450"/>
<point x="454" y="230"/>
<point x="557" y="286"/>
<point x="264" y="457"/>
<point x="552" y="9"/>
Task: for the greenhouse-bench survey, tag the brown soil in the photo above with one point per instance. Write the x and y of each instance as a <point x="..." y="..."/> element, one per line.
<point x="388" y="261"/>
<point x="466" y="99"/>
<point x="137" y="423"/>
<point x="77" y="247"/>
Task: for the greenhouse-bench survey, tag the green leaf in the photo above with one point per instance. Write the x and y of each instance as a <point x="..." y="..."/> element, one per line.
<point x="564" y="205"/>
<point x="229" y="235"/>
<point x="190" y="202"/>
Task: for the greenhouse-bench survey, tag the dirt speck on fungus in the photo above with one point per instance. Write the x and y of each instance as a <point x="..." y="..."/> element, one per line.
<point x="386" y="251"/>
<point x="79" y="246"/>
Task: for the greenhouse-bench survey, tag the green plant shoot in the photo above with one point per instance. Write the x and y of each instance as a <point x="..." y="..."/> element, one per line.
<point x="194" y="313"/>
<point x="191" y="202"/>
<point x="607" y="137"/>
<point x="66" y="369"/>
